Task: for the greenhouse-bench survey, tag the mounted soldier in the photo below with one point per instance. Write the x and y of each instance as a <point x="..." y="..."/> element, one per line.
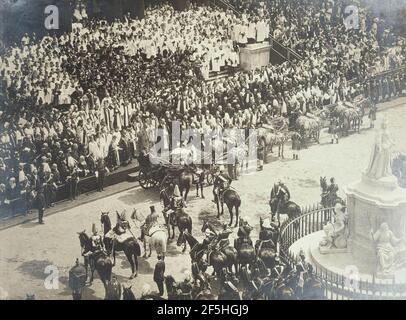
<point x="332" y="192"/>
<point x="122" y="224"/>
<point x="243" y="234"/>
<point x="222" y="237"/>
<point x="176" y="204"/>
<point x="281" y="192"/>
<point x="221" y="183"/>
<point x="267" y="234"/>
<point x="150" y="221"/>
<point x="97" y="246"/>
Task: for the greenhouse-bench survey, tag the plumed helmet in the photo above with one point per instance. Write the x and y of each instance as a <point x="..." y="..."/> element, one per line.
<point x="176" y="191"/>
<point x="94" y="228"/>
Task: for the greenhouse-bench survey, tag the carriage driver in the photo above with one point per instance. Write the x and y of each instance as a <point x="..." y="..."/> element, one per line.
<point x="222" y="182"/>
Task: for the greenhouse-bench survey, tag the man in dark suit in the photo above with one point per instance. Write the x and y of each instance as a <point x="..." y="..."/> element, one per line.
<point x="41" y="203"/>
<point x="159" y="274"/>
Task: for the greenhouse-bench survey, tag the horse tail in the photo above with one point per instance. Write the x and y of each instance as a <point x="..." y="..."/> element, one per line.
<point x="190" y="227"/>
<point x="136" y="249"/>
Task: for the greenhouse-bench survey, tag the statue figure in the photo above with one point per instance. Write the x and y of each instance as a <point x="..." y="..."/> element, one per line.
<point x="380" y="163"/>
<point x="387" y="248"/>
<point x="336" y="231"/>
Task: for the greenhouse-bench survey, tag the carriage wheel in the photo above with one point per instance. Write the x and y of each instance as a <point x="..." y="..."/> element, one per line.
<point x="145" y="181"/>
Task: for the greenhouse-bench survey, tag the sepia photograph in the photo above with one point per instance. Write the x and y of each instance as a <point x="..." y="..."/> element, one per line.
<point x="229" y="150"/>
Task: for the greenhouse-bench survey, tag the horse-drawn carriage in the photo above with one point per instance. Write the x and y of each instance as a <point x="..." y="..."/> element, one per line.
<point x="308" y="127"/>
<point x="157" y="174"/>
<point x="274" y="133"/>
<point x="161" y="174"/>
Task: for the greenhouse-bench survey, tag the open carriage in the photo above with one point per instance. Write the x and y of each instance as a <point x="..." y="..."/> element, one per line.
<point x="349" y="115"/>
<point x="309" y="127"/>
<point x="151" y="174"/>
<point x="273" y="133"/>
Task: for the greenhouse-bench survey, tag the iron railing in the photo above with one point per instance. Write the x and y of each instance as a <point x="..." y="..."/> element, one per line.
<point x="336" y="286"/>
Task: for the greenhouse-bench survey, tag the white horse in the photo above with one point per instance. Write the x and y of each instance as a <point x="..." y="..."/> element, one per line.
<point x="156" y="238"/>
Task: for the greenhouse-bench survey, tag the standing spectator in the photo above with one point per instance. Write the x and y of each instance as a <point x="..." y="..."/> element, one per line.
<point x="40" y="204"/>
<point x="159" y="274"/>
<point x="296" y="145"/>
<point x="372" y="115"/>
<point x="100" y="174"/>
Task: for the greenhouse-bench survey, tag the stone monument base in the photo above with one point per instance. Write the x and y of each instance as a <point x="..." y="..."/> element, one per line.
<point x="344" y="262"/>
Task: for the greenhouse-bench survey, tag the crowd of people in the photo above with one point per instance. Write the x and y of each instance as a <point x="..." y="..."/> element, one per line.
<point x="86" y="102"/>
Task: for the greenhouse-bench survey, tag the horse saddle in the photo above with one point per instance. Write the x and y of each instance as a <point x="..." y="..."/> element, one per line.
<point x="121" y="238"/>
<point x="156" y="228"/>
<point x="223" y="243"/>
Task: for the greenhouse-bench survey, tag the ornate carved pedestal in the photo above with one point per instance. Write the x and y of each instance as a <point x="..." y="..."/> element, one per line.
<point x="370" y="203"/>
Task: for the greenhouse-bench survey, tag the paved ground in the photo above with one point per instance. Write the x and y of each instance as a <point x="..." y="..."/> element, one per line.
<point x="27" y="249"/>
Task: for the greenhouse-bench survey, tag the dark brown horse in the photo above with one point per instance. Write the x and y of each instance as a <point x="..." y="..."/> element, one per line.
<point x="215" y="258"/>
<point x="244" y="247"/>
<point x="130" y="247"/>
<point x="102" y="263"/>
<point x="229" y="251"/>
<point x="277" y="202"/>
<point x="172" y="219"/>
<point x="232" y="200"/>
<point x="266" y="247"/>
<point x="188" y="178"/>
<point x="184" y="223"/>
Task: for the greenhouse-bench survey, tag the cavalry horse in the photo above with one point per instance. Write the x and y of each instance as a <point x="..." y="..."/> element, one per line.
<point x="232" y="200"/>
<point x="266" y="248"/>
<point x="280" y="206"/>
<point x="215" y="258"/>
<point x="175" y="218"/>
<point x="244" y="247"/>
<point x="101" y="262"/>
<point x="130" y="246"/>
<point x="156" y="236"/>
<point x="326" y="200"/>
<point x="230" y="252"/>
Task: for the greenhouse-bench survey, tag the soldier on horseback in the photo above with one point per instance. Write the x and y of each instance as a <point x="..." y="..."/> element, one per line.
<point x="150" y="221"/>
<point x="97" y="246"/>
<point x="281" y="192"/>
<point x="177" y="201"/>
<point x="221" y="183"/>
<point x="222" y="237"/>
<point x="122" y="224"/>
<point x="332" y="192"/>
<point x="266" y="235"/>
<point x="243" y="234"/>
